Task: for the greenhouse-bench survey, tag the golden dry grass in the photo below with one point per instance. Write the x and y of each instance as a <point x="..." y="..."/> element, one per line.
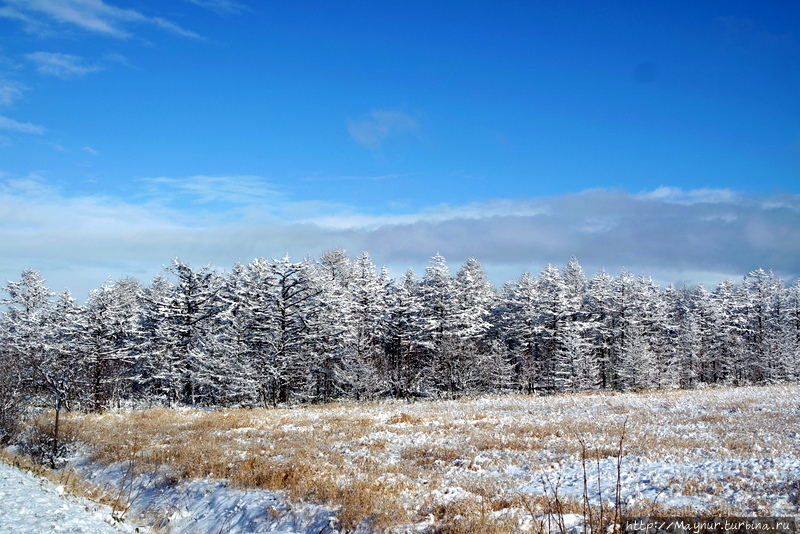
<point x="390" y="464"/>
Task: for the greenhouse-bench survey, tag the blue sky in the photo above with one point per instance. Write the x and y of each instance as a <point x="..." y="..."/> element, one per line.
<point x="659" y="137"/>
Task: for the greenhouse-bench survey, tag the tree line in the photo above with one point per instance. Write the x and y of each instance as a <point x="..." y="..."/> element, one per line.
<point x="275" y="331"/>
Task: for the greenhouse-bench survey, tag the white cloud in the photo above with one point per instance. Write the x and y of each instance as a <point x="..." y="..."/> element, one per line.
<point x="349" y="220"/>
<point x="61" y="65"/>
<point x="94" y="16"/>
<point x="21" y="127"/>
<point x="373" y="130"/>
<point x="679" y="196"/>
<point x="79" y="241"/>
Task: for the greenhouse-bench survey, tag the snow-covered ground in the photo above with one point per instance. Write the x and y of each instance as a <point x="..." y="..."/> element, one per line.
<point x="31" y="505"/>
<point x="496" y="459"/>
<point x="203" y="506"/>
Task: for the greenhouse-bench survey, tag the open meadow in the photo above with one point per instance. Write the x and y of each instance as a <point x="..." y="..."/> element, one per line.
<point x="488" y="464"/>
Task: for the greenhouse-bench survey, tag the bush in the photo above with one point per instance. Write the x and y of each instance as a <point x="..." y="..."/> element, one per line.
<point x="35" y="438"/>
<point x="11" y="408"/>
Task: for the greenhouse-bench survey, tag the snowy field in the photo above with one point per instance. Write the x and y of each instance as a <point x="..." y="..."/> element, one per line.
<point x="494" y="464"/>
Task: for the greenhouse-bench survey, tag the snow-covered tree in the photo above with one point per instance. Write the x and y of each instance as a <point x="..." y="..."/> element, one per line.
<point x="284" y="305"/>
<point x="638" y="317"/>
<point x="335" y="331"/>
<point x="183" y="366"/>
<point x="274" y="331"/>
<point x="791" y="333"/>
<point x="601" y="328"/>
<point x="763" y="293"/>
<point x="109" y="334"/>
<point x="407" y="356"/>
<point x="680" y="338"/>
<point x="453" y="322"/>
<point x="728" y="357"/>
<point x="36" y="328"/>
<point x="27" y="306"/>
<point x="362" y="370"/>
<point x="473" y="297"/>
<point x="520" y="318"/>
<point x="553" y="331"/>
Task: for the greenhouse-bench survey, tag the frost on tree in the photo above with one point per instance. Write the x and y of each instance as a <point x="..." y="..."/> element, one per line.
<point x="274" y="331"/>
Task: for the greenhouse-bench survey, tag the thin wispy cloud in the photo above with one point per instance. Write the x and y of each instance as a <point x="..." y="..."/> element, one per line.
<point x="61" y="65"/>
<point x="353" y="221"/>
<point x="20" y="127"/>
<point x="371" y="131"/>
<point x="695" y="196"/>
<point x="95" y="16"/>
<point x="10" y="92"/>
<point x="240" y="190"/>
<point x="350" y="178"/>
<point x="221" y="6"/>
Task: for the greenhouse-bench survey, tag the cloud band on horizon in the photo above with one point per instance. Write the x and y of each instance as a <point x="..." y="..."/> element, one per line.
<point x="671" y="235"/>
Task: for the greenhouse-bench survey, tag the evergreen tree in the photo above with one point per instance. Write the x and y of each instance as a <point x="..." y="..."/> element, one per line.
<point x="729" y="356"/>
<point x="237" y="337"/>
<point x="602" y="326"/>
<point x="335" y="328"/>
<point x="363" y="369"/>
<point x="109" y="331"/>
<point x="184" y="367"/>
<point x="791" y="333"/>
<point x="407" y="354"/>
<point x="680" y="341"/>
<point x="583" y="364"/>
<point x="762" y="291"/>
<point x="285" y="315"/>
<point x="439" y="316"/>
<point x="33" y="328"/>
<point x="520" y="330"/>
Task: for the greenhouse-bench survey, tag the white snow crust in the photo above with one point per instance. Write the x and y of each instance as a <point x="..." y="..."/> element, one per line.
<point x="758" y="476"/>
<point x="31" y="505"/>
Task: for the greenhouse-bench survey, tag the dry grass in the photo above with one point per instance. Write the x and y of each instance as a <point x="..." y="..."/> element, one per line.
<point x="389" y="464"/>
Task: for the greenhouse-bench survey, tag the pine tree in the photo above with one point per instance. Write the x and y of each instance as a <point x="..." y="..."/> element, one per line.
<point x="109" y="332"/>
<point x="791" y="333"/>
<point x="363" y="369"/>
<point x="473" y="299"/>
<point x="680" y="340"/>
<point x="33" y="326"/>
<point x="454" y="321"/>
<point x="761" y="335"/>
<point x="407" y="354"/>
<point x="285" y="315"/>
<point x="729" y="356"/>
<point x="520" y="330"/>
<point x="583" y="364"/>
<point x="184" y="367"/>
<point x="26" y="335"/>
<point x="601" y="327"/>
<point x="28" y="304"/>
<point x="236" y="338"/>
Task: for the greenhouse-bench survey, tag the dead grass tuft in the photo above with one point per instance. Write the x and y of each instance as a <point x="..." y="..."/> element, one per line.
<point x="404" y="417"/>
